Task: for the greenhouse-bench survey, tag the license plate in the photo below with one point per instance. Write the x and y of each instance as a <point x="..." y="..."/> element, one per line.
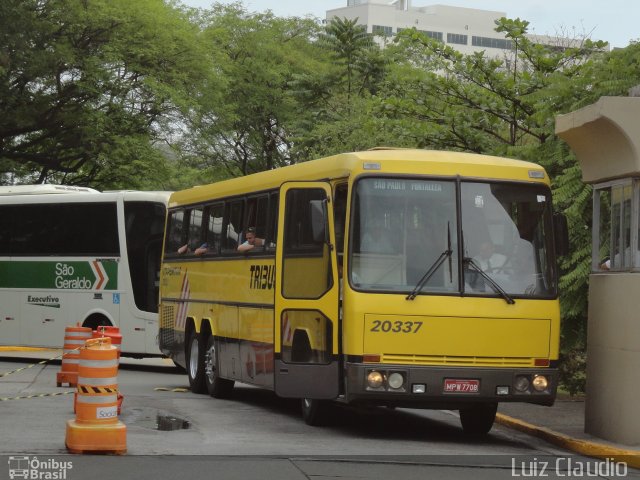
<point x="458" y="385"/>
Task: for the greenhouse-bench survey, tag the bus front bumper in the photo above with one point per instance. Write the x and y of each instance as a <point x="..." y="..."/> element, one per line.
<point x="447" y="387"/>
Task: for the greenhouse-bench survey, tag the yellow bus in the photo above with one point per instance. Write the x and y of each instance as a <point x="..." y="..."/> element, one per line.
<point x="396" y="277"/>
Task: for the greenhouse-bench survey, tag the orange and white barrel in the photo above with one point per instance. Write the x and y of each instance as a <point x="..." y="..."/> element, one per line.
<point x="96" y="428"/>
<point x="74" y="339"/>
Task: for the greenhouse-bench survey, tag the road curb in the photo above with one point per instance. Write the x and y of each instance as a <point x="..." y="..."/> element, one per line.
<point x="583" y="447"/>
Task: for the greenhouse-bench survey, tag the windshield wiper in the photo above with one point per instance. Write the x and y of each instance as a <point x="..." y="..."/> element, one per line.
<point x="469" y="261"/>
<point x="433" y="268"/>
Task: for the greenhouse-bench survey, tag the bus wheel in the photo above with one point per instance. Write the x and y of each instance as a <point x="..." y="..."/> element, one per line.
<point x="195" y="363"/>
<point x="315" y="412"/>
<point x="479" y="418"/>
<point x="216" y="386"/>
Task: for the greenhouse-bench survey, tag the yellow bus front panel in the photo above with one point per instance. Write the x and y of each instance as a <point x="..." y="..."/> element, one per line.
<point x="453" y="339"/>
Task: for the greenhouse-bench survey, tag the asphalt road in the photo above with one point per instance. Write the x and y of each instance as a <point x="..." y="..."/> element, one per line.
<point x="254" y="435"/>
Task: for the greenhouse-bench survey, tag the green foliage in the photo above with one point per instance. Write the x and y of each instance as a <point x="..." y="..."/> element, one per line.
<point x="245" y="125"/>
<point x="336" y="103"/>
<point x="573" y="368"/>
<point x="82" y="82"/>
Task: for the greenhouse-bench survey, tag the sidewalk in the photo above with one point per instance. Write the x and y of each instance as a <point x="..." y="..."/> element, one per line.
<point x="563" y="425"/>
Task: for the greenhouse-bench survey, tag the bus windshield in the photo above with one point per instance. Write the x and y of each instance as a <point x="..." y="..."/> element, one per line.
<point x="406" y="235"/>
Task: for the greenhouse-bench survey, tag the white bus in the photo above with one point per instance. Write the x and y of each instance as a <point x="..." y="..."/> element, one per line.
<point x="72" y="255"/>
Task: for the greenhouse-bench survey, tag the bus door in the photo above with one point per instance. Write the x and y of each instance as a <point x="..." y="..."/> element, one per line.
<point x="307" y="294"/>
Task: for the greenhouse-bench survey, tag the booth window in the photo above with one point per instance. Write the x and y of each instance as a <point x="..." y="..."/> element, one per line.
<point x="616" y="224"/>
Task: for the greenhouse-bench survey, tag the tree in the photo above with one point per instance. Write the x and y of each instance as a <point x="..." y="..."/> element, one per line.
<point x="335" y="102"/>
<point x="479" y="103"/>
<point x="84" y="85"/>
<point x="245" y="125"/>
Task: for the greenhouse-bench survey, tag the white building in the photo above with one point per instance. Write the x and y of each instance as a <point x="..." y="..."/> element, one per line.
<point x="466" y="29"/>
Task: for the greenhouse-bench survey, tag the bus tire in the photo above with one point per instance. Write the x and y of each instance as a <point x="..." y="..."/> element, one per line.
<point x="195" y="363"/>
<point x="478" y="419"/>
<point x="315" y="412"/>
<point x="216" y="386"/>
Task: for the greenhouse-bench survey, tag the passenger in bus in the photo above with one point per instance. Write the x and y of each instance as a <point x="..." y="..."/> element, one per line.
<point x="201" y="250"/>
<point x="251" y="241"/>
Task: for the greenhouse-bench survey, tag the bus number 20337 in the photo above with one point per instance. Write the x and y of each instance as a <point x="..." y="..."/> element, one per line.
<point x="398" y="326"/>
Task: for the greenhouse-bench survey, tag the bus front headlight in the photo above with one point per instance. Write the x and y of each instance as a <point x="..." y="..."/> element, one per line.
<point x="375" y="379"/>
<point x="521" y="383"/>
<point x="396" y="380"/>
<point x="540" y="383"/>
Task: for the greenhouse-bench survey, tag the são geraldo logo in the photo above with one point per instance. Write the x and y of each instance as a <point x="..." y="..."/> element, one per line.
<point x="36" y="469"/>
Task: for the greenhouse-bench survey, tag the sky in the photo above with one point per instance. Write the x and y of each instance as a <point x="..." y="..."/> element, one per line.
<point x="615" y="21"/>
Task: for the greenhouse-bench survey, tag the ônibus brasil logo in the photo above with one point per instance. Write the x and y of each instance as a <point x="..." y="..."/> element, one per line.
<point x="34" y="468"/>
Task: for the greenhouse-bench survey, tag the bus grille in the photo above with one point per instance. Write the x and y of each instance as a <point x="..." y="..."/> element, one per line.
<point x="167" y="325"/>
<point x="458" y="361"/>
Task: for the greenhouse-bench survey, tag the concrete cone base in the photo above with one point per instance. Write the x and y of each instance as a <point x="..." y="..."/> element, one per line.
<point x="87" y="438"/>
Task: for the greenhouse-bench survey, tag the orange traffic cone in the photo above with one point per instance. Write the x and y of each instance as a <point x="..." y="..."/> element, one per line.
<point x="112" y="332"/>
<point x="74" y="338"/>
<point x="96" y="428"/>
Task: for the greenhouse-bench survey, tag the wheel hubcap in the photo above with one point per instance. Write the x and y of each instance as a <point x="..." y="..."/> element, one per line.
<point x="193" y="358"/>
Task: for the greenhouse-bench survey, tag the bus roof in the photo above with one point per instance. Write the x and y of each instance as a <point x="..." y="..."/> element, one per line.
<point x="378" y="161"/>
<point x="41" y="189"/>
<point x="93" y="196"/>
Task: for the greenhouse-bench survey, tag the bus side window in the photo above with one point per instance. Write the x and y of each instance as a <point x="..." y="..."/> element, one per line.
<point x="215" y="216"/>
<point x="232" y="225"/>
<point x="6" y="228"/>
<point x="256" y="217"/>
<point x="175" y="232"/>
<point x="194" y="240"/>
<point x="340" y="209"/>
<point x="272" y="225"/>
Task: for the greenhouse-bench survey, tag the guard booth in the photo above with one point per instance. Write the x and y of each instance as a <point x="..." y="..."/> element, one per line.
<point x="605" y="137"/>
